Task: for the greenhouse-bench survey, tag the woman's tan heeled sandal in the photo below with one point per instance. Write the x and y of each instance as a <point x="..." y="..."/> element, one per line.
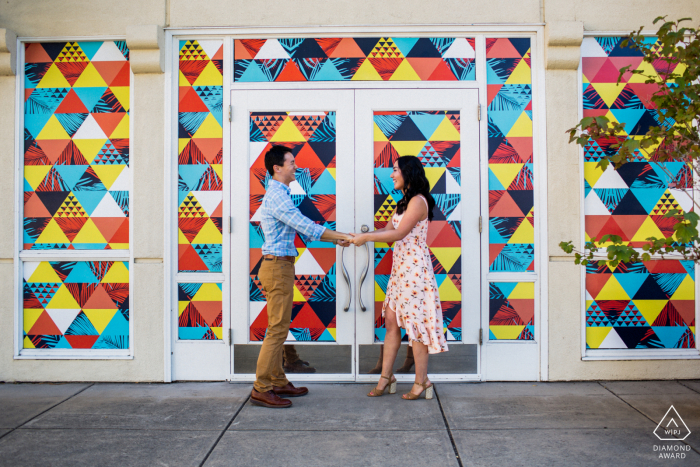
<point x="376" y="392"/>
<point x="427" y="388"/>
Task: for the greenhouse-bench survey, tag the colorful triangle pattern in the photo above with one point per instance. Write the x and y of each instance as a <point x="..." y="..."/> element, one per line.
<point x="76" y="305"/>
<point x="199" y="311"/>
<point x="200" y="161"/>
<point x="311" y="137"/>
<point x="76" y="146"/>
<point x="355" y="59"/>
<point x="512" y="311"/>
<point x="511" y="196"/>
<point x="646" y="305"/>
<point x="433" y="137"/>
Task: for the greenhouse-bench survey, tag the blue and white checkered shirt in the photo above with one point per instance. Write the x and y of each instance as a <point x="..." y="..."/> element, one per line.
<point x="280" y="220"/>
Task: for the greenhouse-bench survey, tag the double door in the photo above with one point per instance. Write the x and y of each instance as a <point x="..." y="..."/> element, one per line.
<point x="345" y="143"/>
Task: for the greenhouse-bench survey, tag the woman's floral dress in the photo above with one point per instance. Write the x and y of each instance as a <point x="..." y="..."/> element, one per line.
<point x="412" y="291"/>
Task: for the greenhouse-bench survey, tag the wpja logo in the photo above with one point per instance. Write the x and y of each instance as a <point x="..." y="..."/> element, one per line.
<point x="672" y="428"/>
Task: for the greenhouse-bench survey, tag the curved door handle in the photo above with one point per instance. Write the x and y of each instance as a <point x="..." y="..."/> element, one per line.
<point x="364" y="229"/>
<point x="346" y="276"/>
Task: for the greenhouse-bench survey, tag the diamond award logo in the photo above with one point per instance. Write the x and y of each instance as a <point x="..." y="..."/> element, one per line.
<point x="672" y="427"/>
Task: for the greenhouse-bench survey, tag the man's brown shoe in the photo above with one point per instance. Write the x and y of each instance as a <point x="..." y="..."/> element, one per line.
<point x="290" y="391"/>
<point x="269" y="399"/>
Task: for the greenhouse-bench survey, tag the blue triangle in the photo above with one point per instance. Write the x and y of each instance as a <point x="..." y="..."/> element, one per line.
<point x="191" y="174"/>
<point x="440" y="278"/>
<point x="256" y="241"/>
<point x="689" y="266"/>
<point x="491" y="76"/>
<point x="118" y="326"/>
<point x="506" y="287"/>
<point x="405" y="44"/>
<point x="648" y="197"/>
<point x="90" y="48"/>
<point x="27" y="186"/>
<point x="325" y="185"/>
<point x="629" y="117"/>
<point x="89" y="199"/>
<point x="90" y="96"/>
<point x="328" y="72"/>
<point x="384" y="176"/>
<point x="192" y="333"/>
<point x="427" y="123"/>
<point x="34" y="123"/>
<point x="494" y="235"/>
<point x="494" y="182"/>
<point x="379" y="334"/>
<point x="504" y="119"/>
<point x="71" y="174"/>
<point x="492" y="336"/>
<point x="181" y="195"/>
<point x="253" y="74"/>
<point x="669" y="335"/>
<point x="62" y="344"/>
<point x="631" y="282"/>
<point x="326" y="337"/>
<point x="81" y="273"/>
<point x="672" y="167"/>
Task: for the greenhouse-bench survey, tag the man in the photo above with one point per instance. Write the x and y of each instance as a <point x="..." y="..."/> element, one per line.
<point x="281" y="220"/>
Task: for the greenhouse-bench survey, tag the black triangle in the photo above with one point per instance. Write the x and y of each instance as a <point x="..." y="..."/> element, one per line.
<point x="632" y="336"/>
<point x="631" y="171"/>
<point x="366" y="44"/>
<point x="424" y="49"/>
<point x="628" y="51"/>
<point x="494" y="305"/>
<point x="439" y="188"/>
<point x="650" y="290"/>
<point x="52" y="199"/>
<point x="325" y="311"/>
<point x="53" y="49"/>
<point x="456" y="268"/>
<point x="324" y="150"/>
<point x="630" y="206"/>
<point x="522" y="45"/>
<point x="524" y="199"/>
<point x="642" y="126"/>
<point x="408" y="131"/>
<point x="309" y="48"/>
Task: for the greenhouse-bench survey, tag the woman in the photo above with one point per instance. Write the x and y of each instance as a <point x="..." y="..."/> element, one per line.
<point x="412" y="300"/>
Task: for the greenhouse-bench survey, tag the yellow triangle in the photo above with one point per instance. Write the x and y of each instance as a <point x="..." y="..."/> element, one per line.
<point x="366" y="72"/>
<point x="181" y="239"/>
<point x="210" y="76"/>
<point x="123" y="95"/>
<point x="521" y="74"/>
<point x="612" y="290"/>
<point x="685" y="291"/>
<point x="298" y="297"/>
<point x="446" y="131"/>
<point x="122" y="130"/>
<point x="596" y="336"/>
<point x="117" y="274"/>
<point x="89" y="147"/>
<point x="506" y="332"/>
<point x="100" y="318"/>
<point x="209" y="128"/>
<point x="208" y="234"/>
<point x="525" y="233"/>
<point x="52" y="234"/>
<point x="379" y="135"/>
<point x="218" y="331"/>
<point x="90" y="78"/>
<point x="608" y="92"/>
<point x="647" y="229"/>
<point x="35" y="174"/>
<point x="108" y="173"/>
<point x="447" y="256"/>
<point x="181" y="307"/>
<point x="523" y="290"/>
<point x="506" y="173"/>
<point x="219" y="169"/>
<point x="408" y="148"/>
<point x="333" y="330"/>
<point x="53" y="79"/>
<point x="63" y="300"/>
<point x="648" y="72"/>
<point x="181" y="143"/>
<point x="182" y="81"/>
<point x="28" y="344"/>
<point x="433" y="174"/>
<point x="29" y="317"/>
<point x="585" y="80"/>
<point x="379" y="294"/>
<point x="89" y="234"/>
<point x="208" y="293"/>
<point x="332" y="172"/>
<point x="405" y="72"/>
<point x="52" y="130"/>
<point x="44" y="273"/>
<point x="522" y="127"/>
<point x="287" y="131"/>
<point x="449" y="292"/>
<point x="650" y="309"/>
<point x="591" y="172"/>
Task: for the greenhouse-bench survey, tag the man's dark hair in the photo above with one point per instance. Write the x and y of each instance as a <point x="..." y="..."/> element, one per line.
<point x="275" y="156"/>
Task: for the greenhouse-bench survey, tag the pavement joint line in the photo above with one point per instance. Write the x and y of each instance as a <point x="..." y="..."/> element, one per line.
<point x="646" y="416"/>
<point x="447" y="425"/>
<point x="43" y="412"/>
<point x="685" y="385"/>
<point x="221" y="435"/>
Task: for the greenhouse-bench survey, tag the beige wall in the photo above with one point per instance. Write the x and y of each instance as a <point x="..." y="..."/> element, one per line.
<point x="49" y="18"/>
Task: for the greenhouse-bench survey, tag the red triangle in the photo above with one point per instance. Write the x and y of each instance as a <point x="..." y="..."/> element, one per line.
<point x="505" y="207"/>
<point x="257" y="329"/>
<point x="255" y="257"/>
<point x="53" y="148"/>
<point x="240" y="52"/>
<point x="442" y="72"/>
<point x="71" y="225"/>
<point x="81" y="341"/>
<point x="306" y="318"/>
<point x="628" y="224"/>
<point x="608" y="73"/>
<point x="290" y="72"/>
<point x="525" y="307"/>
<point x="328" y="44"/>
<point x="307" y="158"/>
<point x="325" y="257"/>
<point x="441" y="235"/>
<point x="208" y="310"/>
<point x="109" y="71"/>
<point x="385" y="265"/>
<point x="190" y="101"/>
<point x="122" y="233"/>
<point x="209" y="147"/>
<point x="502" y="48"/>
<point x="492" y="91"/>
<point x="385" y="66"/>
<point x="621" y="62"/>
<point x="347" y="48"/>
<point x="72" y="70"/>
<point x="191" y="69"/>
<point x="123" y="78"/>
<point x="424" y="67"/>
<point x="33" y="207"/>
<point x="219" y="54"/>
<point x="189" y="260"/>
<point x="219" y="211"/>
<point x="523" y="146"/>
<point x="665" y="266"/>
<point x="644" y="92"/>
<point x="71" y="104"/>
<point x="611" y="228"/>
<point x="590" y="66"/>
<point x="685" y="308"/>
<point x="44" y="326"/>
<point x="455" y="161"/>
<point x="109" y="121"/>
<point x="99" y="300"/>
<point x="594" y="224"/>
<point x="595" y="283"/>
<point x="35" y="53"/>
<point x="252" y="45"/>
<point x="495" y="250"/>
<point x="108" y="226"/>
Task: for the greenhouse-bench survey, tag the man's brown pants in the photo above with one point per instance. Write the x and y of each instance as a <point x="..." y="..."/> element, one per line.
<point x="277" y="279"/>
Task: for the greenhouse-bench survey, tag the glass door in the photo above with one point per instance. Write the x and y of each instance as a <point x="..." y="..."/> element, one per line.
<point x="441" y="128"/>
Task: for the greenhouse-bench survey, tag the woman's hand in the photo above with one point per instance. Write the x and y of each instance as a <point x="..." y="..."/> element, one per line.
<point x="361" y="239"/>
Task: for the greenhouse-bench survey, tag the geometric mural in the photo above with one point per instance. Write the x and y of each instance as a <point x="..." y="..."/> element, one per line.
<point x="434" y="137"/>
<point x="200" y="156"/>
<point x="76" y="304"/>
<point x="511" y="196"/>
<point x="511" y="311"/>
<point x="355" y="59"/>
<point x="645" y="305"/>
<point x="311" y="136"/>
<point x="199" y="311"/>
<point x="76" y="146"/>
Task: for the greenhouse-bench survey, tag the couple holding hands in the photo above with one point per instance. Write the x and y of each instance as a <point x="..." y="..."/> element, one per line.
<point x="412" y="300"/>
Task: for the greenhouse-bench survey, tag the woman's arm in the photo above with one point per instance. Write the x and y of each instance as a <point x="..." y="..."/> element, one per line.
<point x="415" y="212"/>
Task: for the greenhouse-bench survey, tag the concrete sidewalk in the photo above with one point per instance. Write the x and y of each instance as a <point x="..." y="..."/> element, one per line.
<point x="213" y="424"/>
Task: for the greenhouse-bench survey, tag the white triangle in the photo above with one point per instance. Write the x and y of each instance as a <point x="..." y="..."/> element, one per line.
<point x="210" y="47"/>
<point x="257" y="217"/>
<point x="271" y="49"/>
<point x="593" y="206"/>
<point x="456" y="215"/>
<point x="591" y="48"/>
<point x="307" y="265"/>
<point x="610" y="179"/>
<point x="290" y="337"/>
<point x="90" y="130"/>
<point x="256" y="150"/>
<point x="107" y="208"/>
<point x="589" y="298"/>
<point x="255" y="309"/>
<point x="682" y="198"/>
<point x="452" y="187"/>
<point x="123" y="181"/>
<point x="460" y="48"/>
<point x="209" y="200"/>
<point x="63" y="318"/>
<point x="612" y="341"/>
<point x="109" y="52"/>
<point x="29" y="268"/>
<point x="296" y="189"/>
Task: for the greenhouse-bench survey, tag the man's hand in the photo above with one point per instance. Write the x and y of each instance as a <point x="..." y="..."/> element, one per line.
<point x="347" y="241"/>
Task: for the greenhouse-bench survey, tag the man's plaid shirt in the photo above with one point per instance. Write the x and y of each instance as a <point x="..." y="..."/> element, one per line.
<point x="280" y="220"/>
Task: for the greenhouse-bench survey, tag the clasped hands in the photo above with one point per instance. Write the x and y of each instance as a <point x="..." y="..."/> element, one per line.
<point x="354" y="239"/>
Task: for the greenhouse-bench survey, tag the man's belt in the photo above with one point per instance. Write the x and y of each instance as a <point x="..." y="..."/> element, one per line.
<point x="279" y="258"/>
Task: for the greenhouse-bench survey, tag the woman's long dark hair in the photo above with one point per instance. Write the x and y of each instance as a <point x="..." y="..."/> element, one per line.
<point x="414" y="183"/>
